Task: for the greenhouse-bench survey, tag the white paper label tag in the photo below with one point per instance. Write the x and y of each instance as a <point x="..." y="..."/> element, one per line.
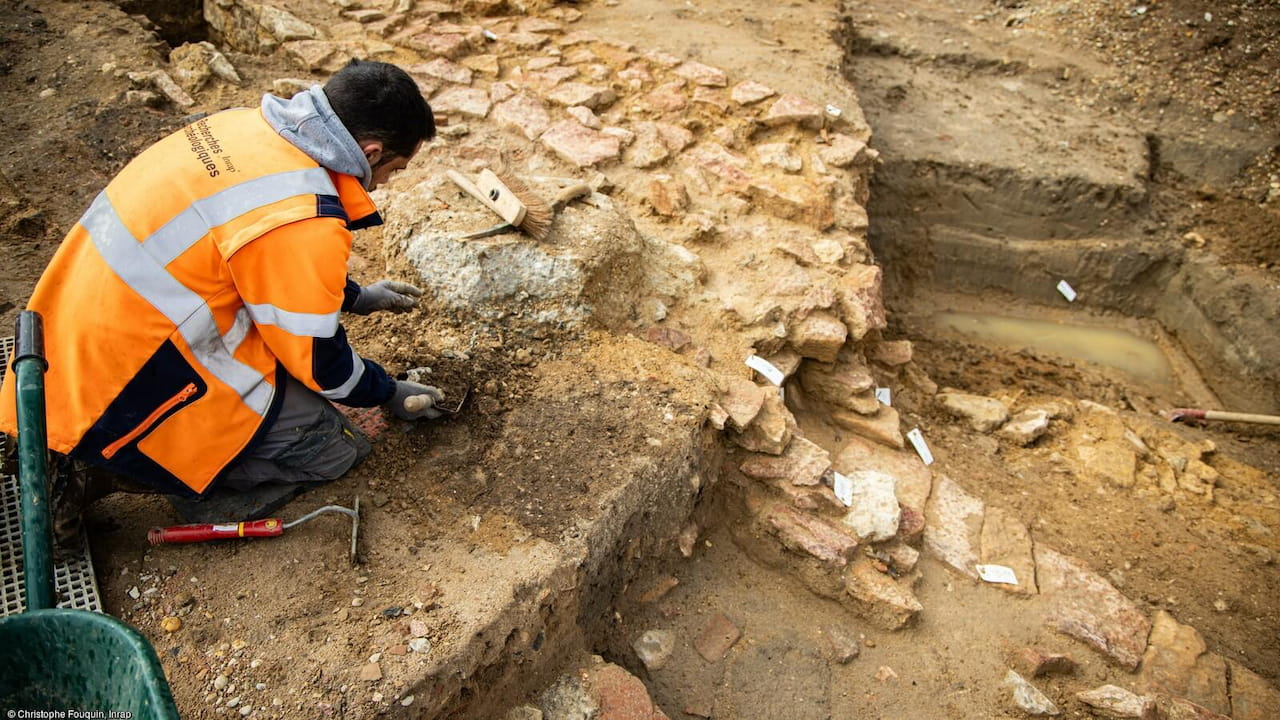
<point x="1067" y="291"/>
<point x="997" y="574"/>
<point x="232" y="527"/>
<point x="766" y="368"/>
<point x="917" y="442"/>
<point x="833" y="111"/>
<point x="843" y="488"/>
<point x="884" y="396"/>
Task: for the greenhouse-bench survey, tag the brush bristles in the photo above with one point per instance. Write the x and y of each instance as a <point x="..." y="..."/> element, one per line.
<point x="537" y="212"/>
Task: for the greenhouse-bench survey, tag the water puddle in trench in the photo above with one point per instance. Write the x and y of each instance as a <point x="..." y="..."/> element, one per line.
<point x="1119" y="349"/>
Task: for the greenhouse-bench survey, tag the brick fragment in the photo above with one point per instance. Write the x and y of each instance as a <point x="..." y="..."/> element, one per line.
<point x="803" y="463"/>
<point x="667" y="196"/>
<point x="1085" y="606"/>
<point x="794" y="110"/>
<point x="700" y="74"/>
<point x="885" y="602"/>
<point x="746" y="93"/>
<point x="1037" y="662"/>
<point x="668" y="97"/>
<point x="523" y="113"/>
<point x="842" y="151"/>
<point x="715" y="640"/>
<point x="579" y="145"/>
<point x="809" y="535"/>
<point x="468" y="101"/>
<point x="883" y="427"/>
<point x="575" y="93"/>
<point x="820" y="335"/>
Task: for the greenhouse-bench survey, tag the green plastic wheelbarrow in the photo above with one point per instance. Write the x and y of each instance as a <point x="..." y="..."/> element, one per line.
<point x="57" y="659"/>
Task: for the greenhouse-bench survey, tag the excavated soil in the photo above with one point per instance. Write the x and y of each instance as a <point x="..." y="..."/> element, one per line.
<point x="1176" y="66"/>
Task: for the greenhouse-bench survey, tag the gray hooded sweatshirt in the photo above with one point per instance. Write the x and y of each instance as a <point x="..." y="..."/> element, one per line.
<point x="308" y="122"/>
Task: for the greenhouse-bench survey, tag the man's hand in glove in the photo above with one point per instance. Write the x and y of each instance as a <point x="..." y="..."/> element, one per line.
<point x="390" y="295"/>
<point x="414" y="401"/>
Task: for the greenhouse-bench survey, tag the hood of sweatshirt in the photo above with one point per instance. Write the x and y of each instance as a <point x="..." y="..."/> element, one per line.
<point x="308" y="122"/>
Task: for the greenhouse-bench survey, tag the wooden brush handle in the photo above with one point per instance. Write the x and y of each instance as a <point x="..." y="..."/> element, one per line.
<point x="470" y="188"/>
<point x="414" y="403"/>
<point x="570" y="194"/>
<point x="505" y="201"/>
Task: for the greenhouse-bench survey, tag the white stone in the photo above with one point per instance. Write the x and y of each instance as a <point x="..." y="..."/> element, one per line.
<point x="599" y="265"/>
<point x="1028" y="698"/>
<point x="584" y="115"/>
<point x="771" y="430"/>
<point x="983" y="414"/>
<point x="1116" y="702"/>
<point x="288" y="87"/>
<point x="874" y="514"/>
<point x="953" y="525"/>
<point x="742" y="401"/>
<point x="283" y="25"/>
<point x="1026" y="427"/>
<point x="446" y="70"/>
<point x="573" y="93"/>
<point x="780" y="155"/>
<point x="654" y="648"/>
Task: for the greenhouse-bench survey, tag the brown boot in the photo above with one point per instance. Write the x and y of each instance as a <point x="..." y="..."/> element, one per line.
<point x="8" y="455"/>
<point x="74" y="488"/>
<point x="67" y="498"/>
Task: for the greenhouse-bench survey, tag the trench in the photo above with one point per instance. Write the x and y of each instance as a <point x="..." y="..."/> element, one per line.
<point x="1001" y="239"/>
<point x="973" y="268"/>
<point x="979" y="251"/>
<point x="984" y="252"/>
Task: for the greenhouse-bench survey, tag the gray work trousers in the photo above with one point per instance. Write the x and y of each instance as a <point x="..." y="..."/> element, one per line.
<point x="309" y="442"/>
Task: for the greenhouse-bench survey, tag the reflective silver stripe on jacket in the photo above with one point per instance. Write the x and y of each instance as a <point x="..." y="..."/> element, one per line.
<point x="142" y="267"/>
<point x="343" y="390"/>
<point x="321" y="325"/>
<point x="193" y="223"/>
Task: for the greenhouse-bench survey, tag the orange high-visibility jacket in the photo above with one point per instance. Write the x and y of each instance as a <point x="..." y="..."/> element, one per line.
<point x="213" y="263"/>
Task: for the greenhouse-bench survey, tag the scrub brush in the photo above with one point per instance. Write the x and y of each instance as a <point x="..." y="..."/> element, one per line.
<point x="511" y="199"/>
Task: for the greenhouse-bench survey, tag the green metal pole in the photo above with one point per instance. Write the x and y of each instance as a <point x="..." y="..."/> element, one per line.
<point x="37" y="537"/>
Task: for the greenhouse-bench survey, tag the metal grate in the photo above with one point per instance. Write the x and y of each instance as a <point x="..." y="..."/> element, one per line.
<point x="74" y="580"/>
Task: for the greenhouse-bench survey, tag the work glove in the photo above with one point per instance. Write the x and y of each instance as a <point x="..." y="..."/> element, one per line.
<point x="421" y="398"/>
<point x="390" y="295"/>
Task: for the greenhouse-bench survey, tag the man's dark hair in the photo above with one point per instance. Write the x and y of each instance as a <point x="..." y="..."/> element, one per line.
<point x="378" y="101"/>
